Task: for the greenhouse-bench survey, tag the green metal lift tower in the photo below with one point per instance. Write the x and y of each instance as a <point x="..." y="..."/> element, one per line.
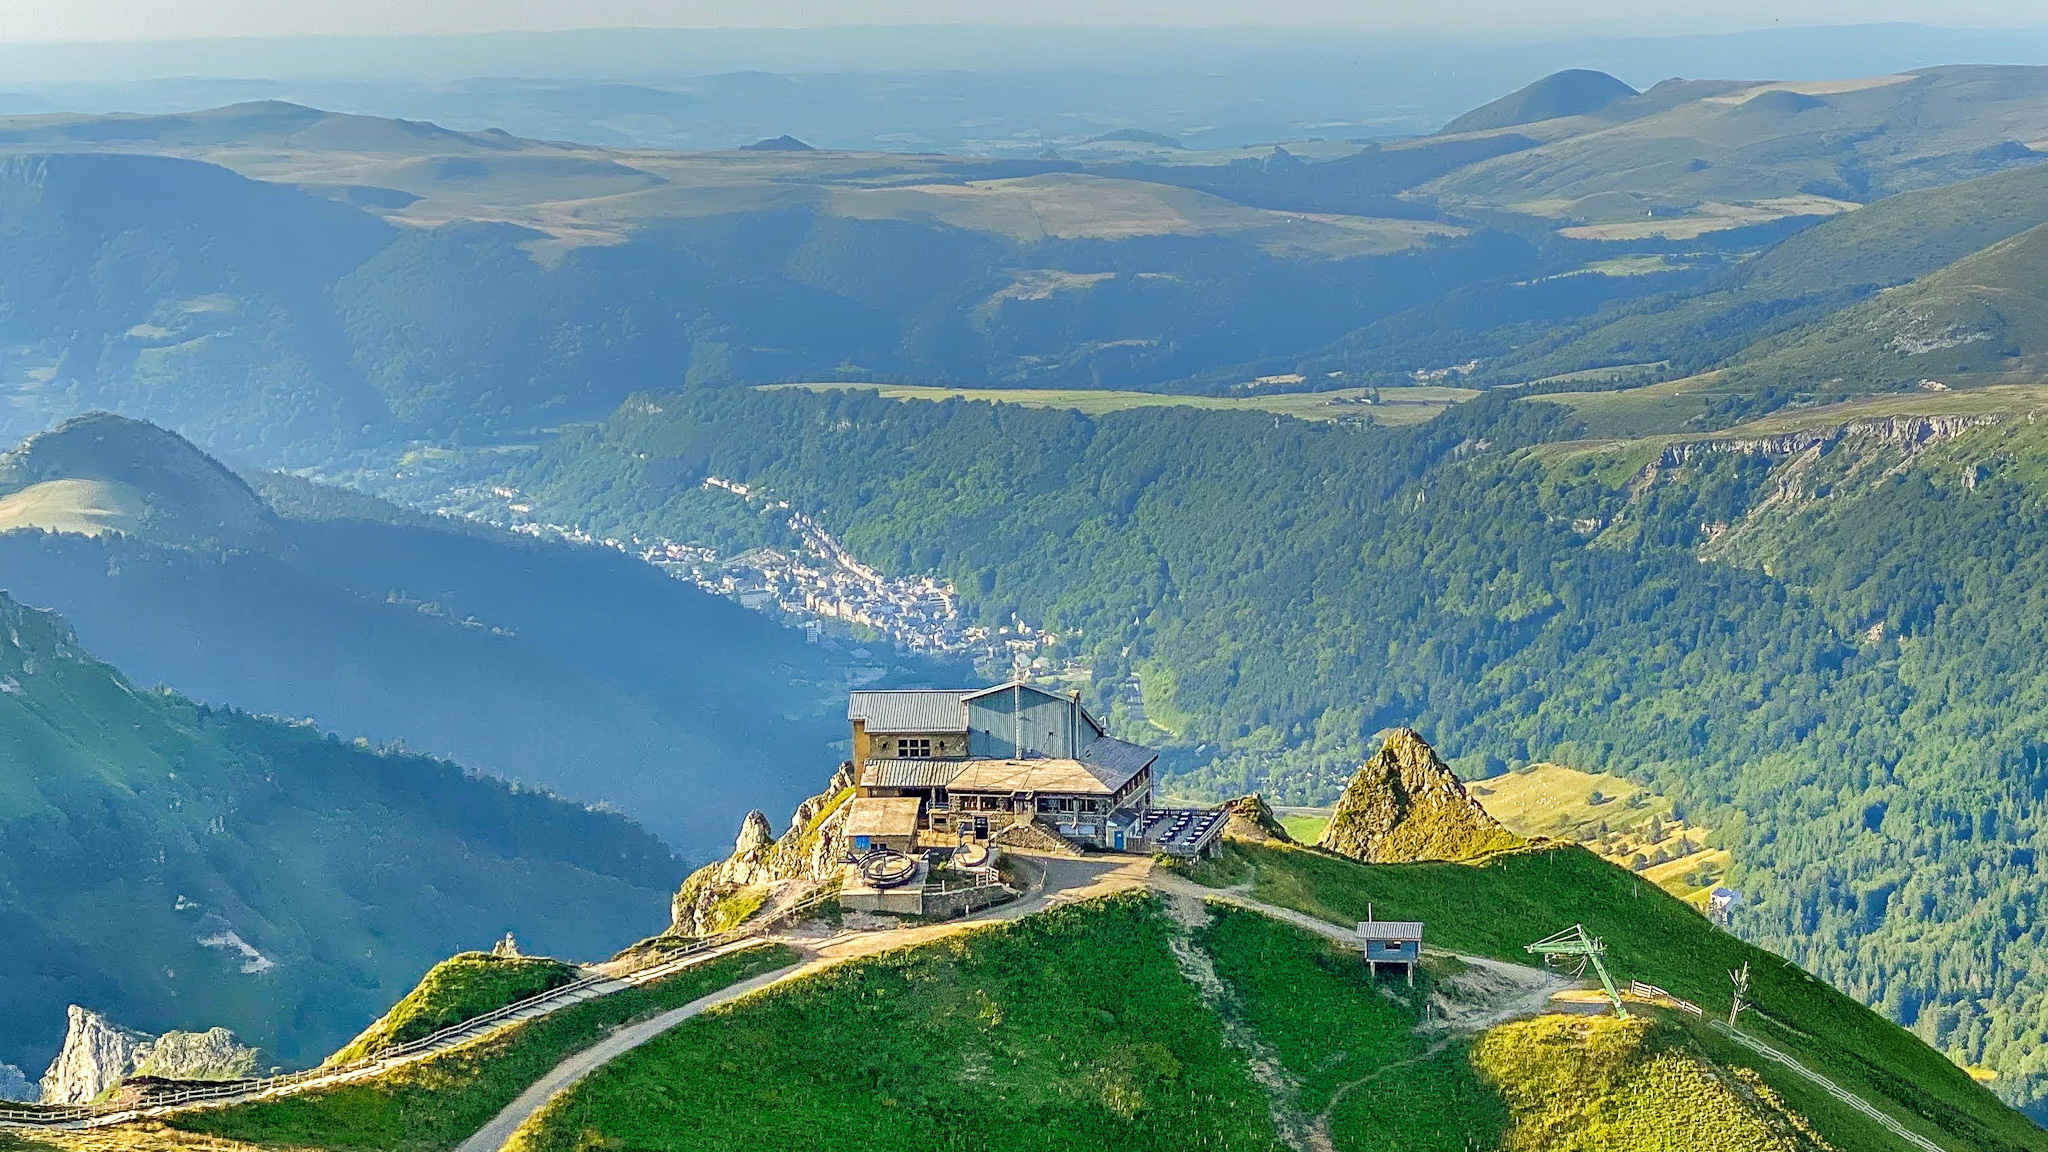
<point x="1576" y="947"/>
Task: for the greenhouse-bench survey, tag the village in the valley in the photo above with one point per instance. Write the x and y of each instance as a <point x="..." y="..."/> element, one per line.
<point x="820" y="584"/>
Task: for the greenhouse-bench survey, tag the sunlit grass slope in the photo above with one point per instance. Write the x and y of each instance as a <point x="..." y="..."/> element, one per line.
<point x="437" y="1103"/>
<point x="1496" y="907"/>
<point x="1073" y="1029"/>
<point x="459" y="988"/>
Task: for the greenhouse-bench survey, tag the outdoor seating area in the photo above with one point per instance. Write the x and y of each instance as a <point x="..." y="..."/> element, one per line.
<point x="1177" y="831"/>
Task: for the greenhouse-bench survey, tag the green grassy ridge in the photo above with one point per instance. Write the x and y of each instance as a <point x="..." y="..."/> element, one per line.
<point x="462" y="987"/>
<point x="1031" y="1035"/>
<point x="440" y="1101"/>
<point x="1072" y="1028"/>
<point x="1496" y="907"/>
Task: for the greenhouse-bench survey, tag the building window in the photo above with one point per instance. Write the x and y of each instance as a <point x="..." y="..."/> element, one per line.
<point x="1087" y="805"/>
<point x="1066" y="804"/>
<point x="917" y="748"/>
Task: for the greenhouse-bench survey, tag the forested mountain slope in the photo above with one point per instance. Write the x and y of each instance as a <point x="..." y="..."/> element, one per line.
<point x="574" y="668"/>
<point x="1853" y="711"/>
<point x="178" y="866"/>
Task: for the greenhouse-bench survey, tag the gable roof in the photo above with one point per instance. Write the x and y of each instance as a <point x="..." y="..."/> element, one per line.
<point x="910" y="709"/>
<point x="1072" y="701"/>
<point x="1014" y="684"/>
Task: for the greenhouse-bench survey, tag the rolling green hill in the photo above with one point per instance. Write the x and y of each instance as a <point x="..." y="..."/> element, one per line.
<point x="310" y="285"/>
<point x="459" y="988"/>
<point x="1798" y="282"/>
<point x="179" y="866"/>
<point x="1978" y="320"/>
<point x="1574" y="92"/>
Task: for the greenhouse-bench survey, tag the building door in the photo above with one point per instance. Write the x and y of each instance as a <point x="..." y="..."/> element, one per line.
<point x="981" y="827"/>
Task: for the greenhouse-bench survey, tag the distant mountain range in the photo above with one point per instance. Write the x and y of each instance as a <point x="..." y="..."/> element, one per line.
<point x="349" y="282"/>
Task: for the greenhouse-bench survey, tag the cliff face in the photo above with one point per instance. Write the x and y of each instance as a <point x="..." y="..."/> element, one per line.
<point x="98" y="1054"/>
<point x="714" y="897"/>
<point x="1404" y="804"/>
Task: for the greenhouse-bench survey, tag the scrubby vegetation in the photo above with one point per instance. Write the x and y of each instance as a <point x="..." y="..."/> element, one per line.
<point x="438" y="1102"/>
<point x="459" y="988"/>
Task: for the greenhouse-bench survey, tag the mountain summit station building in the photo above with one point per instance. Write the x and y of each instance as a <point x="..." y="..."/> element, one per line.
<point x="951" y="766"/>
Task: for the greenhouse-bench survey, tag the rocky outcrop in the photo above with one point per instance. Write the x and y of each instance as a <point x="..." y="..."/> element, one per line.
<point x="1908" y="432"/>
<point x="14" y="1085"/>
<point x="1251" y="819"/>
<point x="98" y="1054"/>
<point x="807" y="855"/>
<point x="214" y="1054"/>
<point x="1405" y="804"/>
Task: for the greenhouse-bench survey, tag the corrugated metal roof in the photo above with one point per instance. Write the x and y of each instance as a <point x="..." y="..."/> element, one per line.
<point x="1114" y="761"/>
<point x="910" y="709"/>
<point x="1390" y="929"/>
<point x="909" y="773"/>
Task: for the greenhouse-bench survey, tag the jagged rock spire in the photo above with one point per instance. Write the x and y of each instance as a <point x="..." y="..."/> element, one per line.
<point x="1405" y="804"/>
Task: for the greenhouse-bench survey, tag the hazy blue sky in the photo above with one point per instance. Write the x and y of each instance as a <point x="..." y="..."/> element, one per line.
<point x="45" y="20"/>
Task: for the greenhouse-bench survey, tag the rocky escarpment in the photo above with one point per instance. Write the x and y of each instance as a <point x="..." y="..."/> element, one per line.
<point x="98" y="1054"/>
<point x="1907" y="432"/>
<point x="14" y="1084"/>
<point x="717" y="896"/>
<point x="1405" y="804"/>
<point x="1250" y="818"/>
